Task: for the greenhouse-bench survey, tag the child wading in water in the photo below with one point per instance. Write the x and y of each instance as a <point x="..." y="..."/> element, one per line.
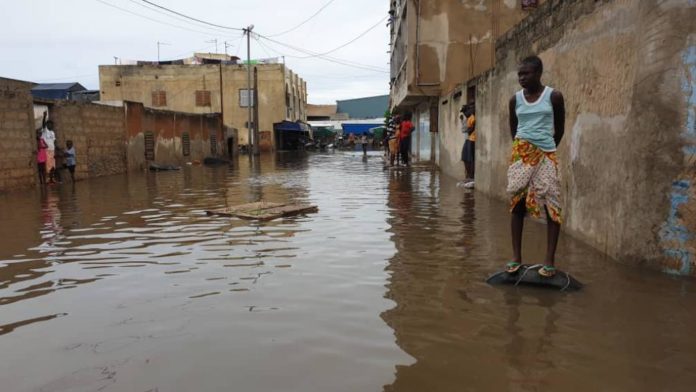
<point x="537" y="124"/>
<point x="41" y="157"/>
<point x="70" y="160"/>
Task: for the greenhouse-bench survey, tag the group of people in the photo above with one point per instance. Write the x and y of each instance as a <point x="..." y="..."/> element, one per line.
<point x="50" y="157"/>
<point x="398" y="139"/>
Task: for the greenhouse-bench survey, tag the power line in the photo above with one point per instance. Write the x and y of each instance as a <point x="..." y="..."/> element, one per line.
<point x="323" y="57"/>
<point x="175" y="17"/>
<point x="191" y="17"/>
<point x="304" y="21"/>
<point x="354" y="39"/>
<point x="207" y="33"/>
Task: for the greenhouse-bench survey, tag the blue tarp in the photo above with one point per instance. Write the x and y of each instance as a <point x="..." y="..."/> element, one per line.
<point x="290" y="126"/>
<point x="358" y="129"/>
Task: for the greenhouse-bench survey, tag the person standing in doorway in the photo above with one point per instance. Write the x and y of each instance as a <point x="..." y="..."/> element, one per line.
<point x="49" y="137"/>
<point x="70" y="159"/>
<point x="469" y="150"/>
<point x="405" y="138"/>
<point x="537" y="125"/>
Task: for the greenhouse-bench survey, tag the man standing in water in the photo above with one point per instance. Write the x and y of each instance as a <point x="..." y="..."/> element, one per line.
<point x="537" y="124"/>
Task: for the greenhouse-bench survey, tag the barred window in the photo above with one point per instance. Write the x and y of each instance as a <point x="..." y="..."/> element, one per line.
<point x="186" y="144"/>
<point x="213" y="144"/>
<point x="202" y="98"/>
<point x="159" y="98"/>
<point x="149" y="146"/>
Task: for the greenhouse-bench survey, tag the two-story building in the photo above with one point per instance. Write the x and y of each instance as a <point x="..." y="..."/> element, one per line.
<point x="211" y="84"/>
<point x="435" y="46"/>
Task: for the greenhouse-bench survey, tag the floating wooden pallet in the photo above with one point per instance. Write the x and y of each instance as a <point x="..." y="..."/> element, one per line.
<point x="264" y="210"/>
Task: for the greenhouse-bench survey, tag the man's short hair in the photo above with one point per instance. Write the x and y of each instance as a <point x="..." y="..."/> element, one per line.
<point x="533" y="61"/>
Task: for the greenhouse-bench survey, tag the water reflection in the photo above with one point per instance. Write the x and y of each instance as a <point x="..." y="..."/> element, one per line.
<point x="124" y="283"/>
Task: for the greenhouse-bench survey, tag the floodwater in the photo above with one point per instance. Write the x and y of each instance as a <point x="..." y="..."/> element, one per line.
<point x="124" y="284"/>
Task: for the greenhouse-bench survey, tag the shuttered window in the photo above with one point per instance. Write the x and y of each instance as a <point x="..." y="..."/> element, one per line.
<point x="186" y="144"/>
<point x="159" y="98"/>
<point x="149" y="146"/>
<point x="202" y="98"/>
<point x="213" y="145"/>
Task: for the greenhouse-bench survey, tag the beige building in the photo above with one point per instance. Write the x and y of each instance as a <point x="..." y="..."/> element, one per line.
<point x="435" y="46"/>
<point x="200" y="85"/>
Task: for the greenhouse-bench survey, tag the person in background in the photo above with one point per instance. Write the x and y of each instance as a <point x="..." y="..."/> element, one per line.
<point x="405" y="138"/>
<point x="49" y="137"/>
<point x="363" y="141"/>
<point x="70" y="159"/>
<point x="394" y="141"/>
<point x="469" y="150"/>
<point x="41" y="159"/>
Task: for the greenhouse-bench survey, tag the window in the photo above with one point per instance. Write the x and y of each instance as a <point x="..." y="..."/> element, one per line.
<point x="244" y="98"/>
<point x="149" y="146"/>
<point x="159" y="98"/>
<point x="186" y="144"/>
<point x="470" y="94"/>
<point x="202" y="98"/>
<point x="118" y="83"/>
<point x="213" y="144"/>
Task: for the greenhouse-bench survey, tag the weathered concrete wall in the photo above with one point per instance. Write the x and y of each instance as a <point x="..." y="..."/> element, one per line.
<point x="17" y="136"/>
<point x="98" y="134"/>
<point x="168" y="129"/>
<point x="626" y="69"/>
<point x="282" y="93"/>
<point x="439" y="43"/>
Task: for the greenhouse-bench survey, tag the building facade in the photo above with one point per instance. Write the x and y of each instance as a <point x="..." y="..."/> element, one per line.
<point x="437" y="44"/>
<point x="205" y="88"/>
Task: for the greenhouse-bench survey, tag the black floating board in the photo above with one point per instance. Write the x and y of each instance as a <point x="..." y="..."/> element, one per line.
<point x="528" y="275"/>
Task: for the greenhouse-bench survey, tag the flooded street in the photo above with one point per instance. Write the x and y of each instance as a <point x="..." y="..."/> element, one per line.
<point x="123" y="283"/>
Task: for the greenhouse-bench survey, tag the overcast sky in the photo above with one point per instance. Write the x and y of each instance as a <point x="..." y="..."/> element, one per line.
<point x="65" y="40"/>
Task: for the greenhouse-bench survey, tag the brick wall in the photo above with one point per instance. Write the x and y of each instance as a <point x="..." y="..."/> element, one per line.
<point x="98" y="134"/>
<point x="18" y="159"/>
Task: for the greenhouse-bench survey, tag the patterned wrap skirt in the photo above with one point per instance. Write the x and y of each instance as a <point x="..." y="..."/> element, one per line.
<point x="533" y="176"/>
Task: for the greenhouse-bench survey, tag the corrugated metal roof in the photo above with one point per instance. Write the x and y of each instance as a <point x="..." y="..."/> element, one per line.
<point x="59" y="86"/>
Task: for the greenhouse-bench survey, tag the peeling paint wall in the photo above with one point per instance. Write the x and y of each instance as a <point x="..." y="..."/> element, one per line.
<point x="168" y="129"/>
<point x="626" y="69"/>
<point x="439" y="43"/>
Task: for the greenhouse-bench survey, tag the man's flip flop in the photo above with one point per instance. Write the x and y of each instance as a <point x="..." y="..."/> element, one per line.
<point x="513" y="267"/>
<point x="547" y="271"/>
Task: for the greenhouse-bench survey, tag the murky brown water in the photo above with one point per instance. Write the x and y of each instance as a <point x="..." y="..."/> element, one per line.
<point x="124" y="284"/>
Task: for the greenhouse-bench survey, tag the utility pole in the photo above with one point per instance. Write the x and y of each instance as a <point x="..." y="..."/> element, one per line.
<point x="159" y="44"/>
<point x="215" y="41"/>
<point x="227" y="45"/>
<point x="247" y="31"/>
<point x="222" y="114"/>
<point x="256" y="112"/>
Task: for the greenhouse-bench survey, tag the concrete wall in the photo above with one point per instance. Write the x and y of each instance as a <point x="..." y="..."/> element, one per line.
<point x="17" y="136"/>
<point x="282" y="94"/>
<point x="168" y="128"/>
<point x="626" y="69"/>
<point x="98" y="134"/>
<point x="439" y="43"/>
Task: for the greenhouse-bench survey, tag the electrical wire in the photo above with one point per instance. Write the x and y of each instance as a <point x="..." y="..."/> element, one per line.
<point x="320" y="56"/>
<point x="304" y="21"/>
<point x="207" y="33"/>
<point x="354" y="39"/>
<point x="191" y="17"/>
<point x="213" y="30"/>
